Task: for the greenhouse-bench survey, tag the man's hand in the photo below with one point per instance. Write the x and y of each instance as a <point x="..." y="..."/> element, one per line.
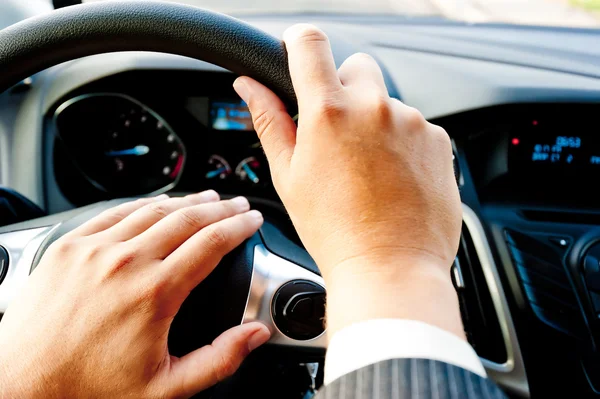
<point x="94" y="317"/>
<point x="368" y="184"/>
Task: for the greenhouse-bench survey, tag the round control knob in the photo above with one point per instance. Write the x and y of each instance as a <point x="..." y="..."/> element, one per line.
<point x="299" y="309"/>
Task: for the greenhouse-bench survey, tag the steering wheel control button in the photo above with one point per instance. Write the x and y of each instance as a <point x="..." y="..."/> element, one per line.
<point x="3" y="263"/>
<point x="299" y="309"/>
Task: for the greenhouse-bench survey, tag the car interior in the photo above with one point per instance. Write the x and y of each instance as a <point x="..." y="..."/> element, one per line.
<point x="117" y="107"/>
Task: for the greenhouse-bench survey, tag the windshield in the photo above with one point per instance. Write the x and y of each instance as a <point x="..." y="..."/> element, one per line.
<point x="571" y="13"/>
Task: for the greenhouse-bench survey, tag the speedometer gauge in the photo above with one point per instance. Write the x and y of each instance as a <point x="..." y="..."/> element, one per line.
<point x="120" y="145"/>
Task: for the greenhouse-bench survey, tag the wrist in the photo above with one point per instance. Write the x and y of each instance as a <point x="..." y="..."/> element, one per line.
<point x="413" y="288"/>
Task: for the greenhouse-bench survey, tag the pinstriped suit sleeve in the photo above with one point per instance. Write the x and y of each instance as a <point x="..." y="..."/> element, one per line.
<point x="411" y="379"/>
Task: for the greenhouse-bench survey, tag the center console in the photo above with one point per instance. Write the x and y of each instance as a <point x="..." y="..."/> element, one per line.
<point x="529" y="174"/>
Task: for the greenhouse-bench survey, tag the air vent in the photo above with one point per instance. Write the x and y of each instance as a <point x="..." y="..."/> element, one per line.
<point x="545" y="282"/>
<point x="478" y="313"/>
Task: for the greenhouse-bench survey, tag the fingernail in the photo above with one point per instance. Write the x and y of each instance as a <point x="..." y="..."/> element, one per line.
<point x="209" y="195"/>
<point x="161" y="197"/>
<point x="258" y="338"/>
<point x="256" y="215"/>
<point x="241" y="89"/>
<point x="241" y="203"/>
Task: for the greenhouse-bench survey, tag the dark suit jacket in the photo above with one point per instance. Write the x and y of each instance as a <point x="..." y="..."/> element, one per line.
<point x="411" y="378"/>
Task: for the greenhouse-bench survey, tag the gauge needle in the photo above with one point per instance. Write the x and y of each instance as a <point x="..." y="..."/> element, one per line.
<point x="251" y="175"/>
<point x="137" y="151"/>
<point x="215" y="173"/>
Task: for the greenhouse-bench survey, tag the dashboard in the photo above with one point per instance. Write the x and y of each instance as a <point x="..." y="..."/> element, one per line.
<point x="119" y="140"/>
<point x="539" y="155"/>
<point x="521" y="105"/>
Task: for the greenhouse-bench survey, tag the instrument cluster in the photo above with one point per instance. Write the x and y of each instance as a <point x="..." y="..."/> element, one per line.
<point x="109" y="145"/>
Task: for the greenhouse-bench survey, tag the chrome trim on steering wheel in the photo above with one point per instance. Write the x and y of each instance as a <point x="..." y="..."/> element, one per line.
<point x="270" y="272"/>
<point x="22" y="246"/>
<point x="510" y="374"/>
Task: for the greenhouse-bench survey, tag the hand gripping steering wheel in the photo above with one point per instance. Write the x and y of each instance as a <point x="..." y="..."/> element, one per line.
<point x="269" y="278"/>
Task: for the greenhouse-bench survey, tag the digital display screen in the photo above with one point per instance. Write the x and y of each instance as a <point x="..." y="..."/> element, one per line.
<point x="230" y="115"/>
<point x="559" y="151"/>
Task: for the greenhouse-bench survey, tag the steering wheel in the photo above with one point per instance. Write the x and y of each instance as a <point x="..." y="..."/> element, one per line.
<point x="269" y="278"/>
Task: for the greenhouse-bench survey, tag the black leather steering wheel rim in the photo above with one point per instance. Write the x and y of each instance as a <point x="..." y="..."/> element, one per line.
<point x="73" y="32"/>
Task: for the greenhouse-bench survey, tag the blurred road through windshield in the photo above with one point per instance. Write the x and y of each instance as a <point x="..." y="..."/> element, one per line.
<point x="571" y="13"/>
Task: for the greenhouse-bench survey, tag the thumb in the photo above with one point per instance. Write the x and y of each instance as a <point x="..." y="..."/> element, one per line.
<point x="274" y="126"/>
<point x="212" y="363"/>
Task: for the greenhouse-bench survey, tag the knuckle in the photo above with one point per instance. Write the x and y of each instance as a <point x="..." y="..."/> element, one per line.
<point x="114" y="215"/>
<point x="444" y="144"/>
<point x="332" y="109"/>
<point x="142" y="201"/>
<point x="191" y="217"/>
<point x="263" y="122"/>
<point x="93" y="252"/>
<point x="414" y="119"/>
<point x="442" y="137"/>
<point x="216" y="237"/>
<point x="306" y="33"/>
<point x="154" y="292"/>
<point x="158" y="208"/>
<point x="382" y="108"/>
<point x="225" y="366"/>
<point x="117" y="213"/>
<point x="63" y="247"/>
<point x="123" y="259"/>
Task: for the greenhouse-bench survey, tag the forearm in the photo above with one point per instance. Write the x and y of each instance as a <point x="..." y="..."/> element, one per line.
<point x="411" y="288"/>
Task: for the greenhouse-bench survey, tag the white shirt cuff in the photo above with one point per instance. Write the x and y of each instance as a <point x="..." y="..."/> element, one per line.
<point x="373" y="341"/>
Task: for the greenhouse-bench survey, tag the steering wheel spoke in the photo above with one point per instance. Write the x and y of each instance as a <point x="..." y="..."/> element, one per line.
<point x="268" y="279"/>
<point x="295" y="319"/>
<point x="21" y="246"/>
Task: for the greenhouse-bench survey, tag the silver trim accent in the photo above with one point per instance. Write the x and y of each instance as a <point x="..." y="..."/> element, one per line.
<point x="459" y="280"/>
<point x="165" y="124"/>
<point x="461" y="178"/>
<point x="270" y="272"/>
<point x="510" y="374"/>
<point x="22" y="246"/>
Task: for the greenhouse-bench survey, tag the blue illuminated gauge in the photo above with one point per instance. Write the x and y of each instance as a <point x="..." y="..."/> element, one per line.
<point x="249" y="170"/>
<point x="218" y="167"/>
<point x="119" y="145"/>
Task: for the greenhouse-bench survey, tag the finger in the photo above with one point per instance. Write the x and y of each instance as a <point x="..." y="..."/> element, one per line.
<point x="213" y="363"/>
<point x="275" y="128"/>
<point x="168" y="234"/>
<point x="311" y="63"/>
<point x="361" y="70"/>
<point x="113" y="216"/>
<point x="145" y="217"/>
<point x="195" y="259"/>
